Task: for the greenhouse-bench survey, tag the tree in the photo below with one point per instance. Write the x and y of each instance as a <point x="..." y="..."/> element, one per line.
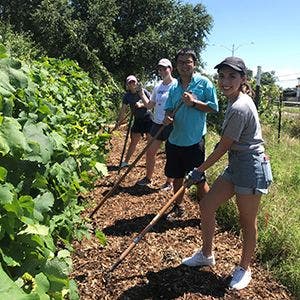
<point x="63" y="28"/>
<point x="268" y="78"/>
<point x="125" y="36"/>
<point x="18" y="13"/>
<point x="152" y="29"/>
<point x="98" y="33"/>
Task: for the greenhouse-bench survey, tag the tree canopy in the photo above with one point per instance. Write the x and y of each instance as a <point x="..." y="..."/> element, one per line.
<point x="123" y="36"/>
<point x="268" y="78"/>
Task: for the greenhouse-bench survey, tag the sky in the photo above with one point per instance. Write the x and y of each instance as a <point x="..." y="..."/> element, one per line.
<point x="263" y="33"/>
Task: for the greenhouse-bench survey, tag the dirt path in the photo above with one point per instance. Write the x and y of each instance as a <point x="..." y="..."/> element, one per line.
<point x="152" y="270"/>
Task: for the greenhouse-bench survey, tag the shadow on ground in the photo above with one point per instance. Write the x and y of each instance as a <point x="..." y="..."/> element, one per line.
<point x="171" y="283"/>
<point x="124" y="227"/>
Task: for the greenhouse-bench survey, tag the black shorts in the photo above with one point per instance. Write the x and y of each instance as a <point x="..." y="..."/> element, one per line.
<point x="141" y="126"/>
<point x="181" y="160"/>
<point x="163" y="136"/>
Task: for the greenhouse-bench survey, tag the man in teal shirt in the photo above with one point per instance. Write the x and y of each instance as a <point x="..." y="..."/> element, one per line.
<point x="185" y="147"/>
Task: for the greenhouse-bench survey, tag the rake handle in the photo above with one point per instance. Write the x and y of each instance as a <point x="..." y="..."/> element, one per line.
<point x="125" y="142"/>
<point x="139" y="237"/>
<point x="129" y="168"/>
<point x="132" y="165"/>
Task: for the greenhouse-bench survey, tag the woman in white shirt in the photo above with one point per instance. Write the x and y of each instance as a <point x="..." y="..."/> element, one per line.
<point x="157" y="101"/>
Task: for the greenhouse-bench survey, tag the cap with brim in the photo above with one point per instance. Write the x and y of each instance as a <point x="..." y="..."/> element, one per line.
<point x="165" y="63"/>
<point x="235" y="63"/>
<point x="131" y="78"/>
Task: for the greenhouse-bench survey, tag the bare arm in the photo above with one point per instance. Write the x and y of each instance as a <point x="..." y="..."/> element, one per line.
<point x="189" y="100"/>
<point x="223" y="146"/>
<point x="146" y="101"/>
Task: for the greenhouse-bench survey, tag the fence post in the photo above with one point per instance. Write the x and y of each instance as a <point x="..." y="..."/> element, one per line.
<point x="298" y="89"/>
<point x="257" y="88"/>
<point x="279" y="116"/>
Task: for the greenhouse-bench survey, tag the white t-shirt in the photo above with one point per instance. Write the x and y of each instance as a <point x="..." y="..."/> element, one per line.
<point x="159" y="96"/>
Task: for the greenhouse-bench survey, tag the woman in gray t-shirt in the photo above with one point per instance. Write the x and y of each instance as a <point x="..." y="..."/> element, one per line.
<point x="247" y="175"/>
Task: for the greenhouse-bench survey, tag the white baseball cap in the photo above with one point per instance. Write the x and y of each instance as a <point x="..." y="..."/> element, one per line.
<point x="131" y="78"/>
<point x="165" y="63"/>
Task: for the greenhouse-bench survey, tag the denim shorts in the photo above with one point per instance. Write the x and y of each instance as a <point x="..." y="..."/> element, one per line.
<point x="249" y="172"/>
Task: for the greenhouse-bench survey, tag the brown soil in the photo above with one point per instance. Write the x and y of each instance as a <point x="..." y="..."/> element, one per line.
<point x="152" y="269"/>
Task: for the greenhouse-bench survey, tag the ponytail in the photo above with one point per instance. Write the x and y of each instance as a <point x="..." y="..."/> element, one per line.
<point x="246" y="89"/>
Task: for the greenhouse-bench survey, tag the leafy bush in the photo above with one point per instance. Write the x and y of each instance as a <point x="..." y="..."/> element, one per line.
<point x="50" y="151"/>
<point x="20" y="46"/>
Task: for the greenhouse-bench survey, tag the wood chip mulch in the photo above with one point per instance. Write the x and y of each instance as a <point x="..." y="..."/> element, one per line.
<point x="152" y="269"/>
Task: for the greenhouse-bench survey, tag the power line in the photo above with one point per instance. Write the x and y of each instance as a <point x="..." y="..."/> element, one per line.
<point x="285" y="75"/>
<point x="287" y="80"/>
<point x="233" y="48"/>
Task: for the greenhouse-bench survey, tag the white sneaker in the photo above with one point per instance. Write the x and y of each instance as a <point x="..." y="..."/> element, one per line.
<point x="199" y="259"/>
<point x="168" y="186"/>
<point x="240" y="278"/>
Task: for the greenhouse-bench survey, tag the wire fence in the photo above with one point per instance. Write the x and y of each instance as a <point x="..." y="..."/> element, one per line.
<point x="290" y="80"/>
<point x="288" y="117"/>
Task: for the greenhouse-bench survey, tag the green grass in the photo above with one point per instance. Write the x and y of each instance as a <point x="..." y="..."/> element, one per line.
<point x="290" y="109"/>
<point x="279" y="217"/>
<point x="290" y="121"/>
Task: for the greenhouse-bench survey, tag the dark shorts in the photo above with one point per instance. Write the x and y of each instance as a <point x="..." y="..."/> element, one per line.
<point x="163" y="136"/>
<point x="141" y="126"/>
<point x="181" y="160"/>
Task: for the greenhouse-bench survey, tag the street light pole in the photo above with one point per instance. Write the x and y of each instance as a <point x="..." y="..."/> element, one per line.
<point x="239" y="46"/>
<point x="233" y="47"/>
<point x="232" y="50"/>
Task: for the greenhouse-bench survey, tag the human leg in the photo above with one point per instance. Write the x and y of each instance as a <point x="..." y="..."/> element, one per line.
<point x="177" y="184"/>
<point x="159" y="134"/>
<point x="150" y="160"/>
<point x="220" y="192"/>
<point x="150" y="157"/>
<point x="202" y="190"/>
<point x="177" y="211"/>
<point x="245" y="170"/>
<point x="248" y="207"/>
<point x="134" y="139"/>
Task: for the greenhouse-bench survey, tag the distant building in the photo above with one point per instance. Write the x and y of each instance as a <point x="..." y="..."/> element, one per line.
<point x="290" y="94"/>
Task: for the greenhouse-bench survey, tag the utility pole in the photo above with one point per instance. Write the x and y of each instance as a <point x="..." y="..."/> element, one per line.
<point x="298" y="89"/>
<point x="279" y="116"/>
<point x="233" y="47"/>
<point x="232" y="50"/>
<point x="257" y="88"/>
